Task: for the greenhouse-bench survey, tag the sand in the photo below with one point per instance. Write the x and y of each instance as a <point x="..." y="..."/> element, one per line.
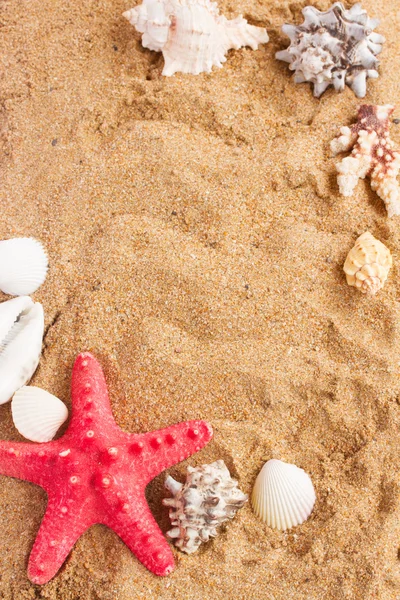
<point x="196" y="240"/>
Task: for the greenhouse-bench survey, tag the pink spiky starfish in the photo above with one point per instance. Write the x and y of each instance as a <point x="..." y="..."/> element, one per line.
<point x="96" y="473"/>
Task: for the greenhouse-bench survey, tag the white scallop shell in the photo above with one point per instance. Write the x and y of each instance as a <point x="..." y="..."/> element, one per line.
<point x="368" y="264"/>
<point x="23" y="266"/>
<point x="21" y="336"/>
<point x="283" y="495"/>
<point x="191" y="34"/>
<point x="37" y="414"/>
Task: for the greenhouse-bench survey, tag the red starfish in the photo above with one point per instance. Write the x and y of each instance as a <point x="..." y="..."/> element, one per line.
<point x="96" y="473"/>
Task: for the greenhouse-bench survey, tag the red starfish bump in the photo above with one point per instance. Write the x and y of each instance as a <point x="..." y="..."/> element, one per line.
<point x="96" y="473"/>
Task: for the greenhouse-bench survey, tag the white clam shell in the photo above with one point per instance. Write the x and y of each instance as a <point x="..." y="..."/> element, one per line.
<point x="37" y="414"/>
<point x="21" y="336"/>
<point x="283" y="495"/>
<point x="23" y="266"/>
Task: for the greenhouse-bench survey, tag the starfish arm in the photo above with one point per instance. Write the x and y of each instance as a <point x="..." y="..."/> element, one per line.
<point x="164" y="448"/>
<point x="23" y="461"/>
<point x="60" y="529"/>
<point x="91" y="412"/>
<point x="137" y="528"/>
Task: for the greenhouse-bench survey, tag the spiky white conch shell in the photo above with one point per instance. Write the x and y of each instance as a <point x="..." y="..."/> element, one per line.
<point x="21" y="336"/>
<point x="283" y="495"/>
<point x="337" y="47"/>
<point x="208" y="498"/>
<point x="37" y="414"/>
<point x="368" y="264"/>
<point x="191" y="34"/>
<point x="23" y="266"/>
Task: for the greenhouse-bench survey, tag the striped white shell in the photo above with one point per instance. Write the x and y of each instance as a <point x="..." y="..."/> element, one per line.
<point x="191" y="34"/>
<point x="21" y="336"/>
<point x="283" y="495"/>
<point x="37" y="414"/>
<point x="23" y="266"/>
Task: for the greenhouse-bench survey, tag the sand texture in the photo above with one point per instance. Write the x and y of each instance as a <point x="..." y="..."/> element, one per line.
<point x="197" y="238"/>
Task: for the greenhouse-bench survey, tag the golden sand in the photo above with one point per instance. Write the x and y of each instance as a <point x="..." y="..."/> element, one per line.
<point x="196" y="238"/>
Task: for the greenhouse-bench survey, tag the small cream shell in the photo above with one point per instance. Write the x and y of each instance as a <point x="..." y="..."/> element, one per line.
<point x="283" y="495"/>
<point x="23" y="266"/>
<point x="21" y="336"/>
<point x="37" y="414"/>
<point x="368" y="264"/>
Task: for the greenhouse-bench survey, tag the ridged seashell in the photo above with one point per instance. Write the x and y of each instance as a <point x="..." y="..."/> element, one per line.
<point x="37" y="414"/>
<point x="337" y="47"/>
<point x="191" y="34"/>
<point x="23" y="266"/>
<point x="368" y="264"/>
<point x="21" y="336"/>
<point x="283" y="495"/>
<point x="208" y="498"/>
